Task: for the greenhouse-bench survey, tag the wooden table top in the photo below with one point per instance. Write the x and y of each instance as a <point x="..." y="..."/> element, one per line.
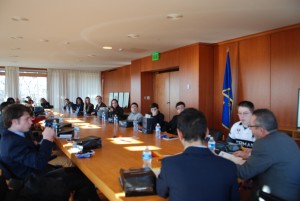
<point x="120" y="149"/>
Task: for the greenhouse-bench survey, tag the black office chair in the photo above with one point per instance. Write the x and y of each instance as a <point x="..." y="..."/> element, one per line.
<point x="216" y="134"/>
<point x="268" y="197"/>
<point x="9" y="192"/>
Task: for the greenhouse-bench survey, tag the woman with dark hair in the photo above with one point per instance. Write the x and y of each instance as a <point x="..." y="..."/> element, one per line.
<point x="45" y="103"/>
<point x="79" y="106"/>
<point x="115" y="109"/>
<point x="89" y="107"/>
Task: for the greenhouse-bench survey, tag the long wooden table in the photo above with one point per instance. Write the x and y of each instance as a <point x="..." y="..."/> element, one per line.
<point x="121" y="148"/>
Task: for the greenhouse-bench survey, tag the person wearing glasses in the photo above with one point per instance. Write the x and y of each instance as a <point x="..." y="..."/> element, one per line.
<point x="240" y="133"/>
<point x="171" y="126"/>
<point x="274" y="163"/>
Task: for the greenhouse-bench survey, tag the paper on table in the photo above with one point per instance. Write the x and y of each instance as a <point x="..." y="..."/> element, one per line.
<point x="236" y="160"/>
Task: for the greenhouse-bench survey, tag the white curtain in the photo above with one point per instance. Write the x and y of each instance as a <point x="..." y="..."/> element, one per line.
<point x="71" y="84"/>
<point x="11" y="82"/>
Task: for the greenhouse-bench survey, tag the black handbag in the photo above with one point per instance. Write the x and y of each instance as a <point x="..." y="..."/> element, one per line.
<point x="90" y="142"/>
<point x="138" y="182"/>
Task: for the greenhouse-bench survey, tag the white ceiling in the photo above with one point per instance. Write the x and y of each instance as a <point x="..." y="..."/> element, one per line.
<point x="76" y="30"/>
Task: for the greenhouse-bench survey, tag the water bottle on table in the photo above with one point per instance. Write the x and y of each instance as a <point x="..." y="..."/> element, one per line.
<point x="116" y="120"/>
<point x="76" y="131"/>
<point x="147" y="158"/>
<point x="135" y="125"/>
<point x="211" y="143"/>
<point x="157" y="131"/>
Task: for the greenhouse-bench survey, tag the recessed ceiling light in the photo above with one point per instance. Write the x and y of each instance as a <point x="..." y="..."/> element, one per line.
<point x="174" y="16"/>
<point x="17" y="48"/>
<point x="19" y="19"/>
<point x="16" y="37"/>
<point x="67" y="43"/>
<point x="107" y="47"/>
<point x="44" y="40"/>
<point x="120" y="49"/>
<point x="91" y="55"/>
<point x="133" y="36"/>
<point x="14" y="56"/>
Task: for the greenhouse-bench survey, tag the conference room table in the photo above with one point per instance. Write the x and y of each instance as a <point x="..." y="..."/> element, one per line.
<point x="121" y="148"/>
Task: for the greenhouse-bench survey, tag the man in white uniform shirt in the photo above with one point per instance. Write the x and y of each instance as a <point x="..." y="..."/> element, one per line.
<point x="240" y="133"/>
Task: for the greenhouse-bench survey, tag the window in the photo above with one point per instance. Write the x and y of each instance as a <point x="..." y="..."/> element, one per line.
<point x="33" y="83"/>
<point x="2" y="87"/>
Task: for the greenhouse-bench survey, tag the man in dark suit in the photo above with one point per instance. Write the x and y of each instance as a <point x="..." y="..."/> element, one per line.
<point x="274" y="163"/>
<point x="29" y="162"/>
<point x="197" y="173"/>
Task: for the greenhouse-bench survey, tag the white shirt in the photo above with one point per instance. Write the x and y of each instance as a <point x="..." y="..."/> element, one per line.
<point x="242" y="135"/>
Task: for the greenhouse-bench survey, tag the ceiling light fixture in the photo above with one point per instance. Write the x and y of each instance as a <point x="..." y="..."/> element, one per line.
<point x="17" y="48"/>
<point x="44" y="40"/>
<point x="16" y="37"/>
<point x="91" y="55"/>
<point x="133" y="36"/>
<point x="120" y="49"/>
<point x="107" y="47"/>
<point x="174" y="16"/>
<point x="19" y="19"/>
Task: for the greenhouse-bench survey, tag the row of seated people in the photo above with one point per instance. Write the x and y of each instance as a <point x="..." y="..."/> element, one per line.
<point x="115" y="109"/>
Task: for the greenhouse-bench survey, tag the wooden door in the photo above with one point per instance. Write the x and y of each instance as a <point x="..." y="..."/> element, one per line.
<point x="166" y="92"/>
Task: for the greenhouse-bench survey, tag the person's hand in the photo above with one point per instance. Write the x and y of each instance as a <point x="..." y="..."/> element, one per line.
<point x="92" y="113"/>
<point x="48" y="134"/>
<point x="243" y="154"/>
<point x="49" y="114"/>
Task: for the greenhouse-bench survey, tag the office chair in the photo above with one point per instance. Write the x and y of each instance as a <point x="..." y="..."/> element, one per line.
<point x="268" y="197"/>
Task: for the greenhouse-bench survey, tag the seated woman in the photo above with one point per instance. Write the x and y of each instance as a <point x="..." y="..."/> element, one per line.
<point x="115" y="109"/>
<point x="89" y="107"/>
<point x="135" y="115"/>
<point x="157" y="116"/>
<point x="79" y="106"/>
<point x="171" y="126"/>
<point x="45" y="104"/>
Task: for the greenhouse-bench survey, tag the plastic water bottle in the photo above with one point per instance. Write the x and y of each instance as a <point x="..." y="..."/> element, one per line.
<point x="211" y="143"/>
<point x="147" y="158"/>
<point x="157" y="131"/>
<point x="135" y="125"/>
<point x="103" y="116"/>
<point x="116" y="119"/>
<point x="55" y="126"/>
<point x="76" y="131"/>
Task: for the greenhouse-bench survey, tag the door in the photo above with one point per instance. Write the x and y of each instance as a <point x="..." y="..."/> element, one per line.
<point x="166" y="92"/>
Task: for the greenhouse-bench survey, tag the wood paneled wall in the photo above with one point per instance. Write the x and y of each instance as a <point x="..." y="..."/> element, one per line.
<point x="285" y="76"/>
<point x="265" y="70"/>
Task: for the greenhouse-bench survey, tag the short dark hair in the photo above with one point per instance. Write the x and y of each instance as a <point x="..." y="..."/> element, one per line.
<point x="79" y="98"/>
<point x="153" y="105"/>
<point x="10" y="100"/>
<point x="13" y="111"/>
<point x="193" y="125"/>
<point x="115" y="100"/>
<point x="3" y="105"/>
<point x="266" y="119"/>
<point x="247" y="104"/>
<point x="134" y="103"/>
<point x="180" y="103"/>
<point x="67" y="99"/>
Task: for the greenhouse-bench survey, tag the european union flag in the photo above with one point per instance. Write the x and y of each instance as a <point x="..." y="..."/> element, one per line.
<point x="227" y="95"/>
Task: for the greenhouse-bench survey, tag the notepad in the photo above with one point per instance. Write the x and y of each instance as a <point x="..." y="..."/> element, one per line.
<point x="236" y="160"/>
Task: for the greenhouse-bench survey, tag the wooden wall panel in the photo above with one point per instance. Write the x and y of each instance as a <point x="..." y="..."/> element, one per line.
<point x="254" y="71"/>
<point x="219" y="68"/>
<point x="117" y="80"/>
<point x="285" y="74"/>
<point x="146" y="64"/>
<point x="206" y="82"/>
<point x="147" y="91"/>
<point x="167" y="60"/>
<point x="135" y="92"/>
<point x="189" y="75"/>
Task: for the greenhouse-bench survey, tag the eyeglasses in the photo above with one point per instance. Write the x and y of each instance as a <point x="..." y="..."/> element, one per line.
<point x="244" y="113"/>
<point x="254" y="126"/>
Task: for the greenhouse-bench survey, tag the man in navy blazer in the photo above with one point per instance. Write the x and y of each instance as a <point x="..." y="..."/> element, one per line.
<point x="29" y="162"/>
<point x="197" y="173"/>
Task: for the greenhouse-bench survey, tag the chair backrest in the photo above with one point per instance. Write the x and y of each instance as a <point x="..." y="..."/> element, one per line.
<point x="216" y="134"/>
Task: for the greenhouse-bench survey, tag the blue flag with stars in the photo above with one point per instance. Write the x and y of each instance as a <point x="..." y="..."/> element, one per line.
<point x="227" y="95"/>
